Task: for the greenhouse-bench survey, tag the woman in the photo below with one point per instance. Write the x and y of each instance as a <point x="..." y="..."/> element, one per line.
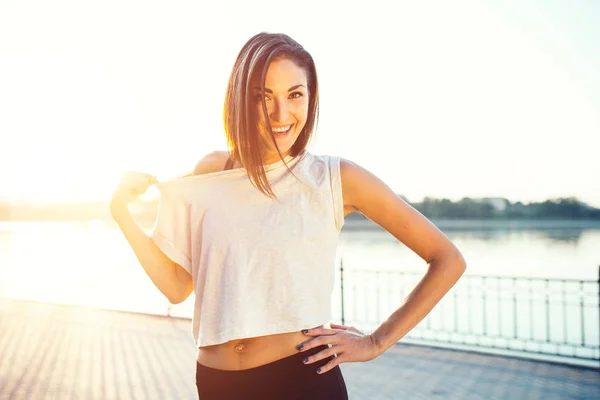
<point x="253" y="232"/>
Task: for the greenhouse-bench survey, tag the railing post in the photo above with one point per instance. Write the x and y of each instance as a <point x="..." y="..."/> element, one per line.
<point x="342" y="288"/>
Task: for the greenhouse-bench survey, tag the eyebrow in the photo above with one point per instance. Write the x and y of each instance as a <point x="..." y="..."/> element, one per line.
<point x="289" y="90"/>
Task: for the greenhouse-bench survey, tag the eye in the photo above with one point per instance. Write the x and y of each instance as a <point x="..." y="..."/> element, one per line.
<point x="258" y="97"/>
<point x="295" y="95"/>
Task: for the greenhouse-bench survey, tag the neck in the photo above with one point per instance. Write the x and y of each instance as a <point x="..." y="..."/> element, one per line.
<point x="272" y="158"/>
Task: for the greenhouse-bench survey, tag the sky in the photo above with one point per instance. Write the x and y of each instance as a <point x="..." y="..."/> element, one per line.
<point x="439" y="99"/>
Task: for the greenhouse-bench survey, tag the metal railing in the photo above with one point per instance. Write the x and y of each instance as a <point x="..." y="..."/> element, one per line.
<point x="556" y="317"/>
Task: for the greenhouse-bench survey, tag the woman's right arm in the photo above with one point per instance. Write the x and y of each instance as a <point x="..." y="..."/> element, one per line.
<point x="170" y="278"/>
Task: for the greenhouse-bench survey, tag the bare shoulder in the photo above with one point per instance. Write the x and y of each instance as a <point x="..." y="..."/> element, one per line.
<point x="366" y="193"/>
<point x="212" y="162"/>
<point x="347" y="171"/>
<point x="354" y="178"/>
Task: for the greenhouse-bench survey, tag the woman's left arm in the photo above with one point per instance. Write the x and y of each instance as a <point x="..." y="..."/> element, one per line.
<point x="367" y="194"/>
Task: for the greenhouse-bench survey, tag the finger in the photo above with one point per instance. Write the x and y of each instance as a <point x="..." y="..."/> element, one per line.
<point x="140" y="188"/>
<point x="321" y="355"/>
<point x="142" y="184"/>
<point x="336" y="326"/>
<point x="319" y="331"/>
<point x="346" y="328"/>
<point x="144" y="179"/>
<point x="330" y="365"/>
<point x="135" y="191"/>
<point x="318" y="341"/>
<point x="151" y="179"/>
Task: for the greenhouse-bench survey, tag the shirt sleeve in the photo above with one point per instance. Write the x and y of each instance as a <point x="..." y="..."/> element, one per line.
<point x="336" y="191"/>
<point x="171" y="231"/>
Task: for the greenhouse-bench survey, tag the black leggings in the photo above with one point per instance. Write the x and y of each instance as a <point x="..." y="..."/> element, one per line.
<point x="285" y="379"/>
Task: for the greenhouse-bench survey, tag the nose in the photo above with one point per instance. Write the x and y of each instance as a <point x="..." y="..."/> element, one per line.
<point x="280" y="111"/>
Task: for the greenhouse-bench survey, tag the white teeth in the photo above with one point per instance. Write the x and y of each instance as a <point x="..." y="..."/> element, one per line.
<point x="282" y="130"/>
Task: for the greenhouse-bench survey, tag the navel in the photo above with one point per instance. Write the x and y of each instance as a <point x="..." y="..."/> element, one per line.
<point x="239" y="347"/>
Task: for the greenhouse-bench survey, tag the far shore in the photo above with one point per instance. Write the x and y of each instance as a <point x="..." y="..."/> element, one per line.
<point x="353" y="223"/>
<point x="483" y="224"/>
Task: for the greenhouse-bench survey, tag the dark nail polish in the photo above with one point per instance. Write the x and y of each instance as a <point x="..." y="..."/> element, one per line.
<point x="300" y="347"/>
<point x="304" y="330"/>
<point x="305" y="360"/>
<point x="318" y="370"/>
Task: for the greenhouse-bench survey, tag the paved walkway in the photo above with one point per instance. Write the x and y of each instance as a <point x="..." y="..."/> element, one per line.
<point x="64" y="352"/>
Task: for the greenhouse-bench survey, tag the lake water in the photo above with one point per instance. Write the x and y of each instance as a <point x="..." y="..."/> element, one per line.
<point x="91" y="263"/>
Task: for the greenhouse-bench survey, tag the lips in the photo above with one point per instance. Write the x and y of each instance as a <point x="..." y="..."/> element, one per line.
<point x="280" y="131"/>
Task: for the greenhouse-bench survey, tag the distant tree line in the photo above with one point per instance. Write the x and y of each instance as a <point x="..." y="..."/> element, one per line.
<point x="467" y="208"/>
<point x="499" y="208"/>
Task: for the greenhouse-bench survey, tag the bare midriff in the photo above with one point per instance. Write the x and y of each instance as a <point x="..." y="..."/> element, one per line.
<point x="253" y="352"/>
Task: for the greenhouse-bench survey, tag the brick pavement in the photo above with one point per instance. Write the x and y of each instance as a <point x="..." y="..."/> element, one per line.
<point x="51" y="351"/>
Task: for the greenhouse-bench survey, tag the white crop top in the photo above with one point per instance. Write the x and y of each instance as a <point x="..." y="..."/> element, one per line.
<point x="259" y="266"/>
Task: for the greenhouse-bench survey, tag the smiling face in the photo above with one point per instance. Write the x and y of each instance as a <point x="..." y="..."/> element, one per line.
<point x="280" y="113"/>
<point x="286" y="99"/>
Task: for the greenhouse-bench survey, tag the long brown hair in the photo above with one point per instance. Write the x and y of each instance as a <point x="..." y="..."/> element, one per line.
<point x="239" y="113"/>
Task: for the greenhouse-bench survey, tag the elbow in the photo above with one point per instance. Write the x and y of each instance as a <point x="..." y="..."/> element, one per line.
<point x="459" y="263"/>
<point x="179" y="295"/>
<point x="181" y="287"/>
<point x="176" y="298"/>
<point x="452" y="262"/>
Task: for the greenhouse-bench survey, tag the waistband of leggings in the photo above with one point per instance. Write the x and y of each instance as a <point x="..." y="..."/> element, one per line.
<point x="277" y="365"/>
